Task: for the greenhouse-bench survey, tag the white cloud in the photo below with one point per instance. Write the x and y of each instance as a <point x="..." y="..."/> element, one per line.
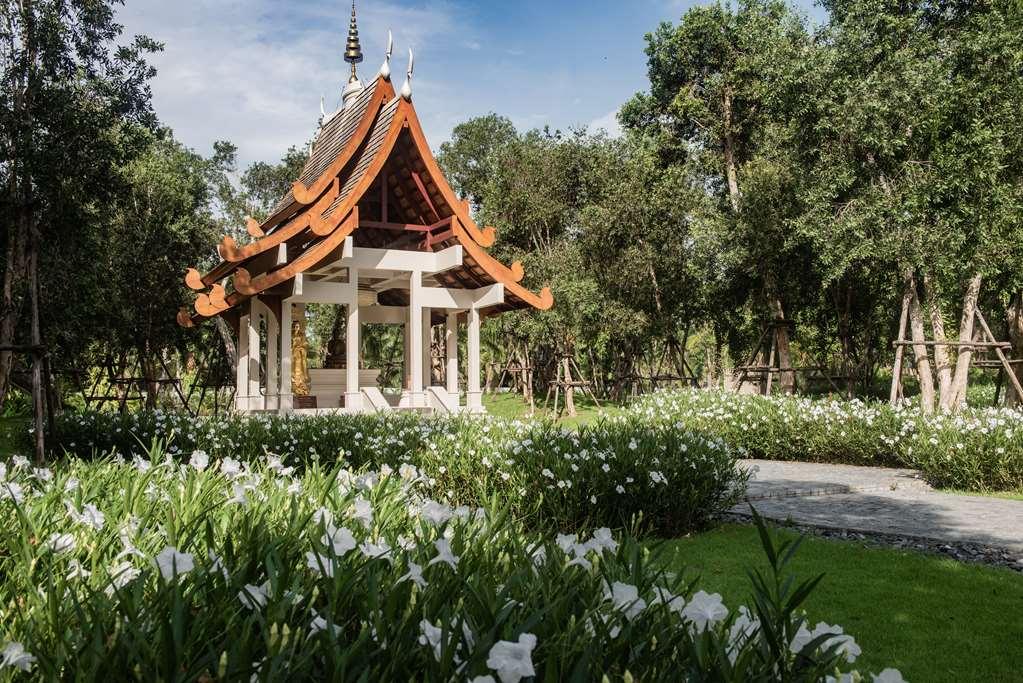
<point x="252" y="71"/>
<point x="608" y="122"/>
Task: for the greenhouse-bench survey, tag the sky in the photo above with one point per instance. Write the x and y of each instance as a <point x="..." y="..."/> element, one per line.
<point x="253" y="71"/>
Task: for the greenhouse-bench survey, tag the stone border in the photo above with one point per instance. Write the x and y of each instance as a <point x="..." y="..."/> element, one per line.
<point x="971" y="553"/>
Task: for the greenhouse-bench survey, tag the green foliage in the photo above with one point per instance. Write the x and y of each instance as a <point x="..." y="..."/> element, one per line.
<point x="211" y="570"/>
<point x="979" y="449"/>
<point x="616" y="472"/>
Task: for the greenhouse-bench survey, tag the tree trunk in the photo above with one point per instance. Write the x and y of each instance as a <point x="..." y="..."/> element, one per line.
<point x="728" y="148"/>
<point x="1014" y="322"/>
<point x="942" y="361"/>
<point x="900" y="350"/>
<point x="962" y="374"/>
<point x="786" y="378"/>
<point x="923" y="362"/>
<point x="569" y="389"/>
<point x="38" y="406"/>
<point x="227" y="338"/>
<point x="11" y="298"/>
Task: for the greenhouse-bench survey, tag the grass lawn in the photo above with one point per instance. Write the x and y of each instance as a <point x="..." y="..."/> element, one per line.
<point x="510" y="405"/>
<point x="1008" y="495"/>
<point x="932" y="618"/>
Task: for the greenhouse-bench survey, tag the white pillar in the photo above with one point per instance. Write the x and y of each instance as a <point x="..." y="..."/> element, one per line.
<point x="273" y="335"/>
<point x="451" y="352"/>
<point x="427" y="348"/>
<point x="287" y="399"/>
<point x="415" y="339"/>
<point x="353" y="392"/>
<point x="474" y="395"/>
<point x="255" y="396"/>
<point x="241" y="389"/>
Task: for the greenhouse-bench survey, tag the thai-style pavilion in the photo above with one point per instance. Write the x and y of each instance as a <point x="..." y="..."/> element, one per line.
<point x="373" y="226"/>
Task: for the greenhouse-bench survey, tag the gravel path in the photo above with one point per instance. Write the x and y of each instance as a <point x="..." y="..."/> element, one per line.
<point x="889" y="503"/>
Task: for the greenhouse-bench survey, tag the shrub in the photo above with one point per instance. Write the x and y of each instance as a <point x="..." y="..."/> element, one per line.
<point x="226" y="570"/>
<point x="617" y="473"/>
<point x="977" y="449"/>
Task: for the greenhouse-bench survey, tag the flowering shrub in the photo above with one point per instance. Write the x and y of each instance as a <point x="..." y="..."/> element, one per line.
<point x="226" y="570"/>
<point x="978" y="449"/>
<point x="617" y="473"/>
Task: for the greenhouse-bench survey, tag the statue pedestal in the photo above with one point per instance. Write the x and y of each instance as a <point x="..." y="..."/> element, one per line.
<point x="305" y="402"/>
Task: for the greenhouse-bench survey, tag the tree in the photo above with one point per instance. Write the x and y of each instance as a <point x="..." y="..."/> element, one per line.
<point x="469" y="158"/>
<point x="66" y="88"/>
<point x="725" y="90"/>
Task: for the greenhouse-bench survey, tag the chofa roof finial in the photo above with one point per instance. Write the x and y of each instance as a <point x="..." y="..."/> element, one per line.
<point x="385" y="68"/>
<point x="353" y="55"/>
<point x="406" y="90"/>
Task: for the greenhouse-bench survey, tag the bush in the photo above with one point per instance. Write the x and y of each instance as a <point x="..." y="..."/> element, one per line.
<point x="977" y="449"/>
<point x="621" y="472"/>
<point x="224" y="570"/>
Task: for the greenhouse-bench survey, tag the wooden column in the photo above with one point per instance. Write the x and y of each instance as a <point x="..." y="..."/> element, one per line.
<point x="451" y="353"/>
<point x="474" y="395"/>
<point x="353" y="393"/>
<point x="287" y="399"/>
<point x="241" y="389"/>
<point x="415" y="340"/>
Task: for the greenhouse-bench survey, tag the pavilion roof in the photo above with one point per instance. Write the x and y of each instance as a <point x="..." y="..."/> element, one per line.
<point x="371" y="176"/>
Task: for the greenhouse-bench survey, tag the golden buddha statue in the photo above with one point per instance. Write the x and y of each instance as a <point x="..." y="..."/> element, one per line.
<point x="299" y="359"/>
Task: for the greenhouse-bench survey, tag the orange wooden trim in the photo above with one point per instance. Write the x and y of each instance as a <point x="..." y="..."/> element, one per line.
<point x="218" y="296"/>
<point x="509" y="277"/>
<point x="307" y="195"/>
<point x="194" y="280"/>
<point x="485" y="237"/>
<point x="245" y="284"/>
<point x="252" y="227"/>
<point x="205" y="307"/>
<point x="185" y="318"/>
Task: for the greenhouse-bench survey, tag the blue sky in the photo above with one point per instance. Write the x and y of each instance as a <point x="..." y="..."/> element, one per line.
<point x="253" y="71"/>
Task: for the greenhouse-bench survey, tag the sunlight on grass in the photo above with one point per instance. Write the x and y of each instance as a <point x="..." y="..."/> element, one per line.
<point x="933" y="618"/>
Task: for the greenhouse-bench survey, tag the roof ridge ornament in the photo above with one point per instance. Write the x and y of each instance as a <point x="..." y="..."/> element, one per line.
<point x="353" y="55"/>
<point x="385" y="68"/>
<point x="406" y="90"/>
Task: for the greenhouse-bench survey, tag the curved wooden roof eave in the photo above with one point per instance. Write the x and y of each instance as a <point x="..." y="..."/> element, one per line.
<point x="485" y="237"/>
<point x="228" y="249"/>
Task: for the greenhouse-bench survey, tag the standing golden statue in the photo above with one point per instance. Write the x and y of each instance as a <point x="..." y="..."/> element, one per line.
<point x="299" y="359"/>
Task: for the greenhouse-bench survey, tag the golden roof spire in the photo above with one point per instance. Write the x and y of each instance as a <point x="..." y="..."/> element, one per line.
<point x="353" y="50"/>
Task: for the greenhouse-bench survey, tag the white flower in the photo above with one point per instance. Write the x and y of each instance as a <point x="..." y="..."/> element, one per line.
<point x="340" y="539"/>
<point x="565" y="541"/>
<point x="376" y="551"/>
<point x="319" y="624"/>
<point x="620" y="488"/>
<point x="61" y="543"/>
<point x="415" y="575"/>
<point x="657" y="478"/>
<point x="625" y="598"/>
<point x="435" y="513"/>
<point x="199" y="460"/>
<point x="483" y="679"/>
<point x="253" y="596"/>
<point x="704" y="610"/>
<point x="602" y="540"/>
<point x="77" y="571"/>
<point x="120" y="576"/>
<point x="321" y="564"/>
<point x="444" y="553"/>
<point x="889" y="676"/>
<point x="431" y="635"/>
<point x="230" y="467"/>
<point x="171" y="562"/>
<point x="846" y="645"/>
<point x="14" y="656"/>
<point x="89" y="516"/>
<point x="363" y="511"/>
<point x="9" y="489"/>
<point x="513" y="661"/>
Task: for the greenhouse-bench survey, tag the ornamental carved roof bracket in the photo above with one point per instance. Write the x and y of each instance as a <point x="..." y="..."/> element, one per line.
<point x="342" y="221"/>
